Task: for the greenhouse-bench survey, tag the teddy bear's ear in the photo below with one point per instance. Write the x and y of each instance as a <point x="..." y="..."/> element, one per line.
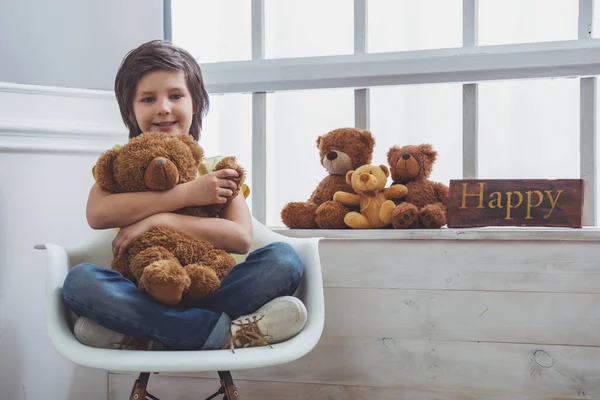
<point x="393" y="155"/>
<point x="197" y="151"/>
<point x="349" y="177"/>
<point x="319" y="140"/>
<point x="385" y="170"/>
<point x="428" y="150"/>
<point x="367" y="138"/>
<point x="103" y="171"/>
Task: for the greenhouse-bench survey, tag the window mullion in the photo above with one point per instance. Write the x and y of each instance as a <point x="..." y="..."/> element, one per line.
<point x="587" y="122"/>
<point x="361" y="96"/>
<point x="470" y="97"/>
<point x="259" y="120"/>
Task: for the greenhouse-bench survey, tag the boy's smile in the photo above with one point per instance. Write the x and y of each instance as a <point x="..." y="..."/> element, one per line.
<point x="163" y="102"/>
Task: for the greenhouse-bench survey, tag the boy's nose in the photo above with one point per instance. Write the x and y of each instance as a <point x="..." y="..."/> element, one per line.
<point x="164" y="108"/>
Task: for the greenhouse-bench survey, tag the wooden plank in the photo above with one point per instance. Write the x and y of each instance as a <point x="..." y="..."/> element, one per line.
<point x="526" y="369"/>
<point x="551" y="266"/>
<point x="515" y="202"/>
<point x="509" y="317"/>
<point x="167" y="387"/>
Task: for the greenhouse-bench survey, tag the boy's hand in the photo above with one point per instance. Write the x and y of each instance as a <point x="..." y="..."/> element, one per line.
<point x="212" y="188"/>
<point x="129" y="233"/>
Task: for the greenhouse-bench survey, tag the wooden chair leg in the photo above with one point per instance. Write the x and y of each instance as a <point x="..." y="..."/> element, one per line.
<point x="227" y="389"/>
<point x="138" y="391"/>
<point x="231" y="392"/>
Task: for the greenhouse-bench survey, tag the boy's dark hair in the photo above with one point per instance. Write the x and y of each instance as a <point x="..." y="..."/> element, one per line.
<point x="159" y="55"/>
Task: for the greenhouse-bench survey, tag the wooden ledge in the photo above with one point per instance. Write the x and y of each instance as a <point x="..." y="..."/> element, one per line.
<point x="485" y="233"/>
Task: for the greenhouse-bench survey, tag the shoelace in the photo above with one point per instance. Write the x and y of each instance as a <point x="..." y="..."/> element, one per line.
<point x="249" y="334"/>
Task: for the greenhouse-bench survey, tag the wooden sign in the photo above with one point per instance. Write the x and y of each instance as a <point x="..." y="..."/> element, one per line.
<point x="523" y="202"/>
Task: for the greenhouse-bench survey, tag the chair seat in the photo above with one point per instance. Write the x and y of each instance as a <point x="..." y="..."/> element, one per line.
<point x="61" y="259"/>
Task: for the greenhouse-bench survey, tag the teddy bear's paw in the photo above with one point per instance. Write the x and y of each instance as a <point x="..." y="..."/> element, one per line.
<point x="204" y="281"/>
<point x="432" y="216"/>
<point x="146" y="257"/>
<point x="165" y="281"/>
<point x="405" y="216"/>
<point x="330" y="215"/>
<point x="299" y="215"/>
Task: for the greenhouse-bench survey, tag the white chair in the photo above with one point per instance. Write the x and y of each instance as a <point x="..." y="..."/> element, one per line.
<point x="59" y="326"/>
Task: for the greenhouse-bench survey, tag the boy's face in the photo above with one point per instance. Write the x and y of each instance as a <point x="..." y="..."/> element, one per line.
<point x="163" y="102"/>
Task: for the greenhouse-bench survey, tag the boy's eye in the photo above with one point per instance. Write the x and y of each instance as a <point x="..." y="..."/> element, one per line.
<point x="147" y="99"/>
<point x="176" y="96"/>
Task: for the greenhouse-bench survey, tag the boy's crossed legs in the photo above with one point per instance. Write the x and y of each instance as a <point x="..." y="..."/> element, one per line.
<point x="265" y="280"/>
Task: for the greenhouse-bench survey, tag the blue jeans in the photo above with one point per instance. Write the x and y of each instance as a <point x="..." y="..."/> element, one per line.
<point x="115" y="302"/>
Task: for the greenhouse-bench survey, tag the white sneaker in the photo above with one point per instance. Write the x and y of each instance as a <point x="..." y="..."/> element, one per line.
<point x="277" y="321"/>
<point x="92" y="334"/>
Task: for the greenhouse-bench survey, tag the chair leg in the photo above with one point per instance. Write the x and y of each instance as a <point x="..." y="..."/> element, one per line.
<point x="138" y="391"/>
<point x="227" y="388"/>
<point x="231" y="392"/>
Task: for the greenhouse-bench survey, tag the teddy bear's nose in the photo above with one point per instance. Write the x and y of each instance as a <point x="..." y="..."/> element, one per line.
<point x="332" y="155"/>
<point x="364" y="177"/>
<point x="160" y="162"/>
<point x="405" y="156"/>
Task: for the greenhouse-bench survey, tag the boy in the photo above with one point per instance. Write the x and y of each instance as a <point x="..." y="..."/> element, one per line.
<point x="159" y="87"/>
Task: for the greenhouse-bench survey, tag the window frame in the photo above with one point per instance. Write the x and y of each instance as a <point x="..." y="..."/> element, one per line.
<point x="468" y="65"/>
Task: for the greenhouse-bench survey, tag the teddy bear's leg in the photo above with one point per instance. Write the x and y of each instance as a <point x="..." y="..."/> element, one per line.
<point x="121" y="265"/>
<point x="220" y="261"/>
<point x="298" y="215"/>
<point x="433" y="216"/>
<point x="386" y="210"/>
<point x="405" y="216"/>
<point x="159" y="273"/>
<point x="146" y="257"/>
<point x="204" y="281"/>
<point x="330" y="215"/>
<point x="356" y="220"/>
<point x="165" y="281"/>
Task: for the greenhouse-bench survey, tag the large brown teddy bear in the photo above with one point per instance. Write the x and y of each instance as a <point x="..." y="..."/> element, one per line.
<point x="425" y="205"/>
<point x="169" y="265"/>
<point x="340" y="151"/>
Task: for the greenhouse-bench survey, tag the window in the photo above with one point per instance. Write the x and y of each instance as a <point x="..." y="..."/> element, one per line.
<point x="528" y="84"/>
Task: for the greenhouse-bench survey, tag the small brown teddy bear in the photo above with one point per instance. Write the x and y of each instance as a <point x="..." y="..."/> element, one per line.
<point x="373" y="198"/>
<point x="340" y="151"/>
<point x="169" y="265"/>
<point x="426" y="201"/>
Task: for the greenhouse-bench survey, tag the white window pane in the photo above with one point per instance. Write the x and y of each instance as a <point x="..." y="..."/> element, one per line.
<point x="596" y="20"/>
<point x="519" y="21"/>
<point x="308" y="28"/>
<point x="412" y="115"/>
<point x="414" y="25"/>
<point x="227" y="131"/>
<point x="529" y="129"/>
<point x="294" y="121"/>
<point x="213" y="31"/>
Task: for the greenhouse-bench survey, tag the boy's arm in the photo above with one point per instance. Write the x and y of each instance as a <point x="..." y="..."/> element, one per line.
<point x="107" y="210"/>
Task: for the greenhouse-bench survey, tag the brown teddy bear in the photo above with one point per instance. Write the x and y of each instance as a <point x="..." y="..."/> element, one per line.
<point x="169" y="265"/>
<point x="340" y="151"/>
<point x="426" y="203"/>
<point x="373" y="198"/>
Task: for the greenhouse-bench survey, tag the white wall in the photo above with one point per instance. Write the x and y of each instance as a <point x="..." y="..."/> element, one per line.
<point x="72" y="43"/>
<point x="49" y="141"/>
<point x="48" y="145"/>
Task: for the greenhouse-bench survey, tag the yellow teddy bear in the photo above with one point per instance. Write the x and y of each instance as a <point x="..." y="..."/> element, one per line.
<point x="376" y="208"/>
